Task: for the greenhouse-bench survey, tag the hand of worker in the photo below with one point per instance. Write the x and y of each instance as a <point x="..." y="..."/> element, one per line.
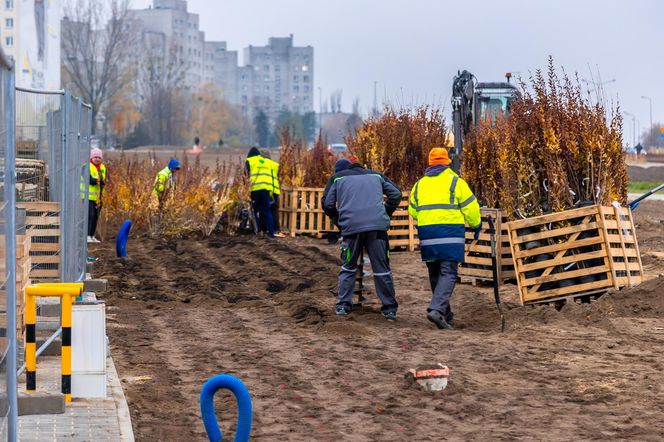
<point x="478" y="231"/>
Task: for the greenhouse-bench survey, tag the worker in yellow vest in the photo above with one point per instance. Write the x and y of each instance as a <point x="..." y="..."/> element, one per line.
<point x="164" y="183"/>
<point x="262" y="189"/>
<point x="95" y="191"/>
<point x="276" y="191"/>
<point x="442" y="204"/>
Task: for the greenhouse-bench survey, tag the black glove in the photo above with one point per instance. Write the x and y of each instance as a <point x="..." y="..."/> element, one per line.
<point x="478" y="231"/>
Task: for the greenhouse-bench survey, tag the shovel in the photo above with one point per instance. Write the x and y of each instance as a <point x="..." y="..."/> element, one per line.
<point x="494" y="263"/>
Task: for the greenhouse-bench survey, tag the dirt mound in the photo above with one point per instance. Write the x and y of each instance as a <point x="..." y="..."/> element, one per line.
<point x="182" y="311"/>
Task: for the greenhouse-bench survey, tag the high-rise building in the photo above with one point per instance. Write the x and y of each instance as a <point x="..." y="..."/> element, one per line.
<point x="277" y="76"/>
<point x="30" y="35"/>
<point x="274" y="77"/>
<point x="184" y="42"/>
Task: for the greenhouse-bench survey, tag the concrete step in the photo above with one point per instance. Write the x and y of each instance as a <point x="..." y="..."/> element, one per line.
<point x="40" y="403"/>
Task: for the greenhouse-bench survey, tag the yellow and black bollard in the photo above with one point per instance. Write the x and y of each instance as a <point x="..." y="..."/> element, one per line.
<point x="30" y="343"/>
<point x="66" y="292"/>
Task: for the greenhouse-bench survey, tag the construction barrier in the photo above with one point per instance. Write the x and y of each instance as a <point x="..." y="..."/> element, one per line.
<point x="574" y="253"/>
<point x="65" y="291"/>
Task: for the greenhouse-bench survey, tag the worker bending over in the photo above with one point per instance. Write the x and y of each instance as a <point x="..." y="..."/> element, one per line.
<point x="442" y="204"/>
<point x="354" y="198"/>
<point x="262" y="188"/>
<point x="164" y="183"/>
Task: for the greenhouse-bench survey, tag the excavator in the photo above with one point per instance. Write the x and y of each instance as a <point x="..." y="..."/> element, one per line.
<point x="473" y="102"/>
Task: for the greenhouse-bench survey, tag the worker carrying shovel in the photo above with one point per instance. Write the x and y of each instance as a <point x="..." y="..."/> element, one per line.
<point x="442" y="204"/>
<point x="354" y="198"/>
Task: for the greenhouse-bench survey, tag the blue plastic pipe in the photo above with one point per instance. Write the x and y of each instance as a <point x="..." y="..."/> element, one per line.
<point x="121" y="242"/>
<point x="243" y="403"/>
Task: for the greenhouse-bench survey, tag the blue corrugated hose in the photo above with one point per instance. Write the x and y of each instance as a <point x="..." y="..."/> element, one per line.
<point x="243" y="402"/>
<point x="121" y="242"/>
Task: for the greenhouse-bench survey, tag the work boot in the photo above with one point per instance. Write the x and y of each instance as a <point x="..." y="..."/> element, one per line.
<point x="342" y="310"/>
<point x="390" y="316"/>
<point x="437" y="318"/>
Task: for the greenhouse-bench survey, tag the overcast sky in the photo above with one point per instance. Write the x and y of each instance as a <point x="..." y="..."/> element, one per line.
<point x="413" y="48"/>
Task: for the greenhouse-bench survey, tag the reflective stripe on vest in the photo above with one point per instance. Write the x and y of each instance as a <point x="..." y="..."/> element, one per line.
<point x="260" y="174"/>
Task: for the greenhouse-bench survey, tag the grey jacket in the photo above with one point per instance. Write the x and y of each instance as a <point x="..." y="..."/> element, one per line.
<point x="355" y="196"/>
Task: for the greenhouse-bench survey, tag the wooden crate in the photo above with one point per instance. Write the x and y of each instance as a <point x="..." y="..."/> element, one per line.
<point x="478" y="264"/>
<point x="43" y="227"/>
<point x="301" y="212"/>
<point x="403" y="228"/>
<point x="575" y="253"/>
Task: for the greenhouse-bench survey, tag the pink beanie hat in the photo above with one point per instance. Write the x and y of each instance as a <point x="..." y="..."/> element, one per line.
<point x="96" y="152"/>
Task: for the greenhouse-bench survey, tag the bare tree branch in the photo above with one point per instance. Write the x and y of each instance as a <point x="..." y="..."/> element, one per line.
<point x="96" y="46"/>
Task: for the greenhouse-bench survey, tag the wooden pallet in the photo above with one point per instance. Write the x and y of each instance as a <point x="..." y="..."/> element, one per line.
<point x="43" y="227"/>
<point x="574" y="253"/>
<point x="478" y="264"/>
<point x="301" y="212"/>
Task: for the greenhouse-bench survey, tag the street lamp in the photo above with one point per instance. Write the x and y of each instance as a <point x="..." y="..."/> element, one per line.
<point x="633" y="128"/>
<point x="644" y="97"/>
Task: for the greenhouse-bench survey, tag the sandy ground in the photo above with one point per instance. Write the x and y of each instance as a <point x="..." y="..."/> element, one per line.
<point x="262" y="310"/>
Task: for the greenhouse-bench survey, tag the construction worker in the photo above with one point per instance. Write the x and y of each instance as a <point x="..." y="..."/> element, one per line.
<point x="442" y="204"/>
<point x="95" y="191"/>
<point x="164" y="183"/>
<point x="354" y="197"/>
<point x="276" y="191"/>
<point x="262" y="188"/>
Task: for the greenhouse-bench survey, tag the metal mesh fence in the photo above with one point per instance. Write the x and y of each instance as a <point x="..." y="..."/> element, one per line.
<point x="8" y="393"/>
<point x="54" y="131"/>
<point x="35" y="141"/>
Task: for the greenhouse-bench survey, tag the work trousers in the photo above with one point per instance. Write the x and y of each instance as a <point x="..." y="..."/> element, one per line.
<point x="377" y="247"/>
<point x="442" y="277"/>
<point x="260" y="200"/>
<point x="275" y="213"/>
<point x="93" y="217"/>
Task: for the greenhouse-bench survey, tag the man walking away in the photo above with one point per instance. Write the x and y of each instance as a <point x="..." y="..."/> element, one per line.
<point x="261" y="187"/>
<point x="442" y="204"/>
<point x="276" y="192"/>
<point x="354" y="197"/>
<point x="95" y="191"/>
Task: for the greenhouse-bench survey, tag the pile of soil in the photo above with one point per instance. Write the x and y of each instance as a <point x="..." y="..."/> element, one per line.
<point x="263" y="310"/>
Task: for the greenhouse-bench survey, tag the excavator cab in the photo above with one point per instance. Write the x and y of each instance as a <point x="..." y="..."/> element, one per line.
<point x="493" y="99"/>
<point x="473" y="102"/>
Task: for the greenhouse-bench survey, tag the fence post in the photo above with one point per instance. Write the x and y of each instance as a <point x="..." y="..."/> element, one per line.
<point x="10" y="243"/>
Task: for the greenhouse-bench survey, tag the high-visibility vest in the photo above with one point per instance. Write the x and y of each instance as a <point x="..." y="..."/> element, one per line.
<point x="94" y="191"/>
<point x="276" y="186"/>
<point x="442" y="205"/>
<point x="163" y="181"/>
<point x="260" y="174"/>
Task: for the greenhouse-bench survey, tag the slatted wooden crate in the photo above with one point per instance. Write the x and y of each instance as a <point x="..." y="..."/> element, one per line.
<point x="23" y="267"/>
<point x="478" y="263"/>
<point x="301" y="212"/>
<point x="574" y="253"/>
<point x="43" y="226"/>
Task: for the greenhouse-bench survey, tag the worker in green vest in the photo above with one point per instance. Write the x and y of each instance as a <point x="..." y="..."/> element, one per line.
<point x="95" y="191"/>
<point x="262" y="189"/>
<point x="442" y="204"/>
<point x="276" y="191"/>
<point x="164" y="183"/>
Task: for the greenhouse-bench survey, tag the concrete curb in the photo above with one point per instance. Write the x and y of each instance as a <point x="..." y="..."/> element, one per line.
<point x="124" y="418"/>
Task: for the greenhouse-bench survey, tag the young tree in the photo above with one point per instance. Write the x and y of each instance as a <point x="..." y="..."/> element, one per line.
<point x="96" y="44"/>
